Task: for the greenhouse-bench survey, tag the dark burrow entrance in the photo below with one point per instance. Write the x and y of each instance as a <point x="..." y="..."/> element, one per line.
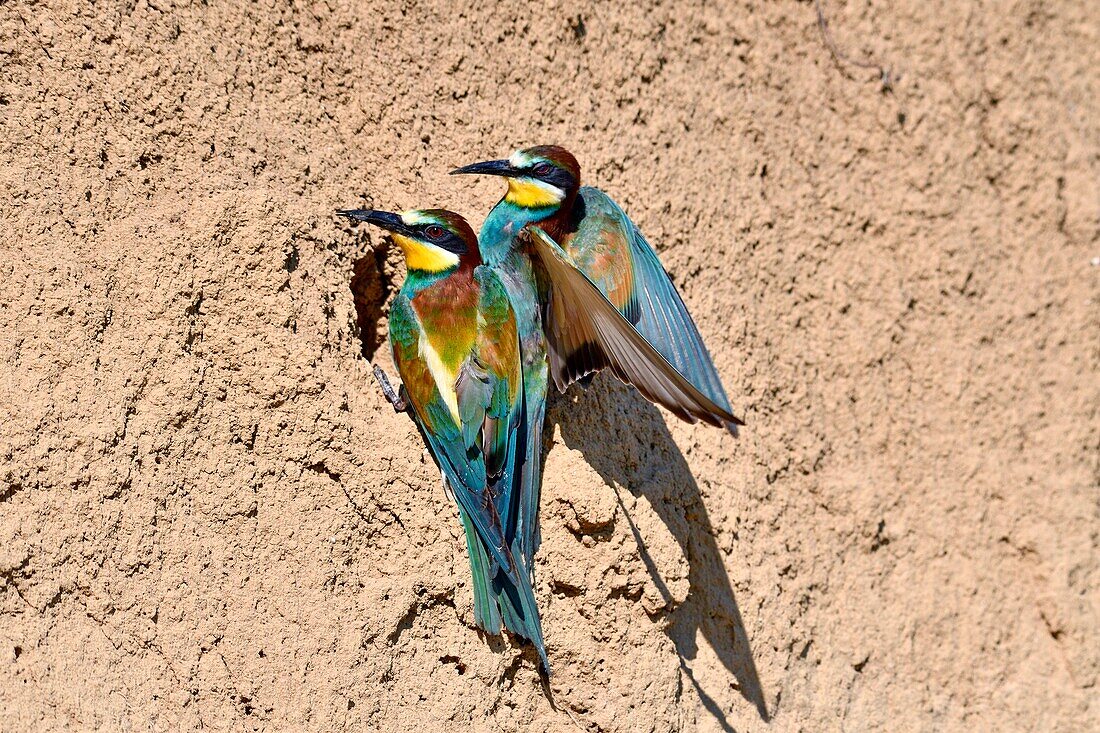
<point x="371" y="285"/>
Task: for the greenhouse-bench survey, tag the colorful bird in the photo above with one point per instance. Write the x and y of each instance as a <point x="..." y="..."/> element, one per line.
<point x="607" y="300"/>
<point x="516" y="271"/>
<point x="456" y="345"/>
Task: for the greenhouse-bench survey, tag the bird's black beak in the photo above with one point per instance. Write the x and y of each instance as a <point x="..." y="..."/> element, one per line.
<point x="388" y="221"/>
<point x="489" y="168"/>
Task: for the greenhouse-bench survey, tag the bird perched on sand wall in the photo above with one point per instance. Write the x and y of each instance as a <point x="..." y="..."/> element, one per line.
<point x="456" y="345"/>
<point x="607" y="300"/>
<point x="516" y="271"/>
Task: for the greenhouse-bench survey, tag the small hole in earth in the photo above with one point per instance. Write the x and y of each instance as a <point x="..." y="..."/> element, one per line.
<point x="459" y="666"/>
<point x="369" y="291"/>
<point x="290" y="262"/>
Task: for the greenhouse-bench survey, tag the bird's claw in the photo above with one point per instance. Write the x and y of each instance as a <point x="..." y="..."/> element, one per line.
<point x="400" y="404"/>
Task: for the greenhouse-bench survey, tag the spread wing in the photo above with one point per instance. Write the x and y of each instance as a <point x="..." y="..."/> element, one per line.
<point x="614" y="255"/>
<point x="587" y="332"/>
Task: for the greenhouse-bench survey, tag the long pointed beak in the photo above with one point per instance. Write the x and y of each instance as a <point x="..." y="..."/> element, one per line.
<point x="489" y="168"/>
<point x="385" y="219"/>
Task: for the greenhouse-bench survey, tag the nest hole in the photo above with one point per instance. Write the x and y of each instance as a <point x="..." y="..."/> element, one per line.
<point x="371" y="285"/>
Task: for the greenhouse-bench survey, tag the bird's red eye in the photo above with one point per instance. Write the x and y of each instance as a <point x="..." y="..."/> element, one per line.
<point x="541" y="169"/>
<point x="434" y="231"/>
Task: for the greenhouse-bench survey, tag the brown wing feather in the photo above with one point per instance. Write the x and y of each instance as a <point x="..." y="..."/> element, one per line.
<point x="587" y="333"/>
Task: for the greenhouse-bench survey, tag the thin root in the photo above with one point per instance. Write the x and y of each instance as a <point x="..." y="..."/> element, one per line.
<point x="887" y="77"/>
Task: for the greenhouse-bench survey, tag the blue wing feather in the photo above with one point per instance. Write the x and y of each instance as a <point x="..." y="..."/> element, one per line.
<point x="662" y="317"/>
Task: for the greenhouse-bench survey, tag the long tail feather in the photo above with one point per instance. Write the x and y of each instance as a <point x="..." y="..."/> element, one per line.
<point x="497" y="599"/>
<point x="486" y="611"/>
<point x="519" y="611"/>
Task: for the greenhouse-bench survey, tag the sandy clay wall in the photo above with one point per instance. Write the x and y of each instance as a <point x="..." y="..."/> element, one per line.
<point x="210" y="519"/>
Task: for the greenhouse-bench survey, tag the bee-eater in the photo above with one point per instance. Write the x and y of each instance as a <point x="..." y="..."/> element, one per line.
<point x="607" y="301"/>
<point x="514" y="267"/>
<point x="456" y="344"/>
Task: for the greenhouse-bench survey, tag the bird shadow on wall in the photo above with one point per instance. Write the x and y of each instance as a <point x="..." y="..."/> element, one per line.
<point x="624" y="438"/>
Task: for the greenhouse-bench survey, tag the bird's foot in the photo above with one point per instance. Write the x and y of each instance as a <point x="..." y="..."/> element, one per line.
<point x="400" y="404"/>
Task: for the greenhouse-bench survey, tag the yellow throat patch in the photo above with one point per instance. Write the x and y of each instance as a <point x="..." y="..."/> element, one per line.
<point x="425" y="257"/>
<point x="531" y="193"/>
<point x="445" y="377"/>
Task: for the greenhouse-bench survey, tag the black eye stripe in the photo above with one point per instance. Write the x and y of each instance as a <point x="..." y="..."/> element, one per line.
<point x="554" y="175"/>
<point x="441" y="236"/>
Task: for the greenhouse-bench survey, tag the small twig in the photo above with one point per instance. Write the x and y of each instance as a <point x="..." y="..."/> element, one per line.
<point x="887" y="77"/>
<point x="400" y="404"/>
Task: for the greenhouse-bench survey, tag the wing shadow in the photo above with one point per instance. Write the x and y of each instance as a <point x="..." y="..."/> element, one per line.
<point x="625" y="439"/>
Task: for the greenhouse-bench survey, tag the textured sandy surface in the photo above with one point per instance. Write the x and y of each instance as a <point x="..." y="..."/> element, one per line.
<point x="209" y="517"/>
